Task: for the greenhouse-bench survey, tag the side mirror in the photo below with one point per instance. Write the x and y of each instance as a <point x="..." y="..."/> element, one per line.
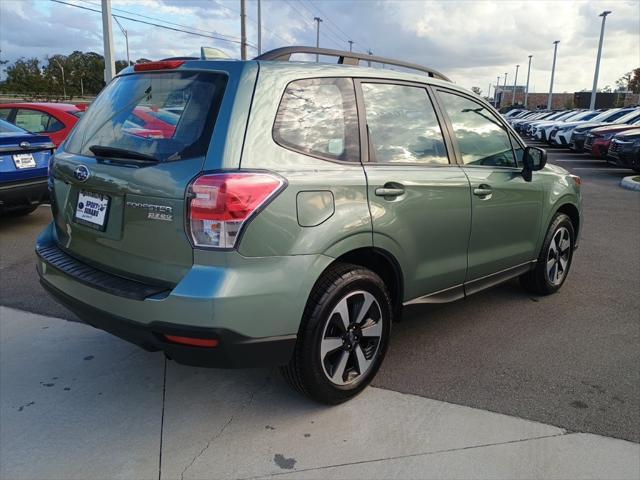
<point x="534" y="159"/>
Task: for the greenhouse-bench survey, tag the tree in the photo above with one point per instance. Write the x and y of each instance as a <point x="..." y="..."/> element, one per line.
<point x="24" y="77"/>
<point x="623" y="82"/>
<point x="634" y="82"/>
<point x="33" y="79"/>
<point x="476" y="90"/>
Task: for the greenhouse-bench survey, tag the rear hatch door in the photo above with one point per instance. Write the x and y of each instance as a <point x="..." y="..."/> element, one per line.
<point x="119" y="181"/>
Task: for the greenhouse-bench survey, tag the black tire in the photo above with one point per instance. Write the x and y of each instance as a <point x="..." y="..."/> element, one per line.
<point x="307" y="370"/>
<point x="538" y="280"/>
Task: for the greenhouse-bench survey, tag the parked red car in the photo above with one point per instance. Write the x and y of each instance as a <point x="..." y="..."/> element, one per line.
<point x="52" y="119"/>
<point x="599" y="139"/>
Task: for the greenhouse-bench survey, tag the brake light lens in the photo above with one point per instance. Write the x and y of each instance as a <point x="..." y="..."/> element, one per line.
<point x="163" y="65"/>
<point x="222" y="203"/>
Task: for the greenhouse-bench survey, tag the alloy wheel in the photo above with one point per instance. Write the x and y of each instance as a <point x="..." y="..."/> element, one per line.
<point x="351" y="338"/>
<point x="558" y="256"/>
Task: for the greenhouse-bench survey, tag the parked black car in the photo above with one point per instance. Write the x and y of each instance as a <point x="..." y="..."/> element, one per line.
<point x="625" y="149"/>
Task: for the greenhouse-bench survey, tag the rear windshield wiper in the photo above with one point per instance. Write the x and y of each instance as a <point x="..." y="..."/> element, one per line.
<point x="115" y="153"/>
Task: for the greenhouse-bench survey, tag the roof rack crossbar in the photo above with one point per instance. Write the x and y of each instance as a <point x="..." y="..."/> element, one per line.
<point x="283" y="54"/>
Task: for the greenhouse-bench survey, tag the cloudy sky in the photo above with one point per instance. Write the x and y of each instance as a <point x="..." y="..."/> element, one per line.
<point x="470" y="41"/>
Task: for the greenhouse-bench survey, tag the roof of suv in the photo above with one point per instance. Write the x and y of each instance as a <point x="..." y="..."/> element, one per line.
<point x="348" y="65"/>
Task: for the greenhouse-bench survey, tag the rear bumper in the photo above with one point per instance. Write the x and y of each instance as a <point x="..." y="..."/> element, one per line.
<point x="252" y="306"/>
<point x="233" y="351"/>
<point x="23" y="192"/>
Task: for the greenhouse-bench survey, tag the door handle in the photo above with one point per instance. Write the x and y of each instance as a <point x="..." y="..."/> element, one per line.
<point x="390" y="190"/>
<point x="483" y="191"/>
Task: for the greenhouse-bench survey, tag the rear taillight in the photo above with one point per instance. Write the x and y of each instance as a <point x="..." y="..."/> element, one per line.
<point x="220" y="205"/>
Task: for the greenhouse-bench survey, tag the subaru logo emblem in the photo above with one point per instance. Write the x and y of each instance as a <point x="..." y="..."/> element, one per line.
<point x="81" y="173"/>
<point x="25" y="144"/>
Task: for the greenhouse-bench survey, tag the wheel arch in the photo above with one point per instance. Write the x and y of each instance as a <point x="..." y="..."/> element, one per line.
<point x="384" y="264"/>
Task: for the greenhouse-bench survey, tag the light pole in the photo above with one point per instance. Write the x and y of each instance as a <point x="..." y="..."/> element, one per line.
<point x="350" y="45"/>
<point x="107" y="38"/>
<point x="504" y="88"/>
<point x="553" y="71"/>
<point x="369" y="61"/>
<point x="515" y="83"/>
<point x="318" y="20"/>
<point x="592" y="104"/>
<point x="495" y="92"/>
<point x="243" y="30"/>
<point x="64" y="89"/>
<point x="126" y="39"/>
<point x="259" y="28"/>
<point x="526" y="90"/>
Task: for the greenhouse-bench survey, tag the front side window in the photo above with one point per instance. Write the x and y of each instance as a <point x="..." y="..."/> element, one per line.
<point x="482" y="138"/>
<point x="37" y="122"/>
<point x="4" y="113"/>
<point x="402" y="125"/>
<point x="318" y="117"/>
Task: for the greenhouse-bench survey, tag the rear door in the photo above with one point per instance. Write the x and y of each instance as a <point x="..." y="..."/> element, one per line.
<point x="119" y="184"/>
<point x="419" y="201"/>
<point x="506" y="209"/>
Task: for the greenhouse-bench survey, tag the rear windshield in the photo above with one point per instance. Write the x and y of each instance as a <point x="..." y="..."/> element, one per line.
<point x="168" y="116"/>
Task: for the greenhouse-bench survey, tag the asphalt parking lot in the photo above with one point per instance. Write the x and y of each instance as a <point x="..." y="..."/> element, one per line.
<point x="569" y="360"/>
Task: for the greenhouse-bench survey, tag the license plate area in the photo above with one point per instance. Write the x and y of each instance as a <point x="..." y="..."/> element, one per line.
<point x="24" y="160"/>
<point x="92" y="210"/>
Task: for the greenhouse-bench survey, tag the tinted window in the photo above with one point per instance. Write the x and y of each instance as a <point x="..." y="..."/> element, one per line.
<point x="319" y="117"/>
<point x="4" y="113"/>
<point x="482" y="139"/>
<point x="130" y="114"/>
<point x="37" y="122"/>
<point x="403" y="127"/>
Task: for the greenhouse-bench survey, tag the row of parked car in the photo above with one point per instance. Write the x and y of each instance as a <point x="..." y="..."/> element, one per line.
<point x="612" y="134"/>
<point x="29" y="135"/>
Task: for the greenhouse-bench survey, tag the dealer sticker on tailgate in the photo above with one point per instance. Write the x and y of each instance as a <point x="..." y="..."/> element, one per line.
<point x="92" y="209"/>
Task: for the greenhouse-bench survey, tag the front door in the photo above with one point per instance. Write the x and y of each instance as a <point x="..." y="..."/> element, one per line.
<point x="419" y="201"/>
<point x="506" y="209"/>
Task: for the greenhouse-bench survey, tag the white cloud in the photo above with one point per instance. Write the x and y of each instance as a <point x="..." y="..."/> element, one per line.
<point x="470" y="41"/>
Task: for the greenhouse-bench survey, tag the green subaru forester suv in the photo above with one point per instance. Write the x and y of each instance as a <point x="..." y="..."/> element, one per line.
<point x="271" y="212"/>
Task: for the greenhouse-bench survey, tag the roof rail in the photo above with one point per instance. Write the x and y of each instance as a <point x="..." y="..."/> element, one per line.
<point x="347" y="58"/>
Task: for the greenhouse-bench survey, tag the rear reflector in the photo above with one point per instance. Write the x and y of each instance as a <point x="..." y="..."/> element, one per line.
<point x="164" y="65"/>
<point x="193" y="342"/>
<point x="222" y="203"/>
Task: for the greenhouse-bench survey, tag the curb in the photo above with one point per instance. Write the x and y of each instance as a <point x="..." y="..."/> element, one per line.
<point x="629" y="183"/>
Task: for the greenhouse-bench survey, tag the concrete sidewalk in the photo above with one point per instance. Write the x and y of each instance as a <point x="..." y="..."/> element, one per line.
<point x="78" y="403"/>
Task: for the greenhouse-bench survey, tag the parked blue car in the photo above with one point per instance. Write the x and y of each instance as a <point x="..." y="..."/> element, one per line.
<point x="24" y="162"/>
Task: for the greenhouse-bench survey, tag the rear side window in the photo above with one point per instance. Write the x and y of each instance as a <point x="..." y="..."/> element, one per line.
<point x="37" y="122"/>
<point x="168" y="116"/>
<point x="318" y="117"/>
<point x="403" y="127"/>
